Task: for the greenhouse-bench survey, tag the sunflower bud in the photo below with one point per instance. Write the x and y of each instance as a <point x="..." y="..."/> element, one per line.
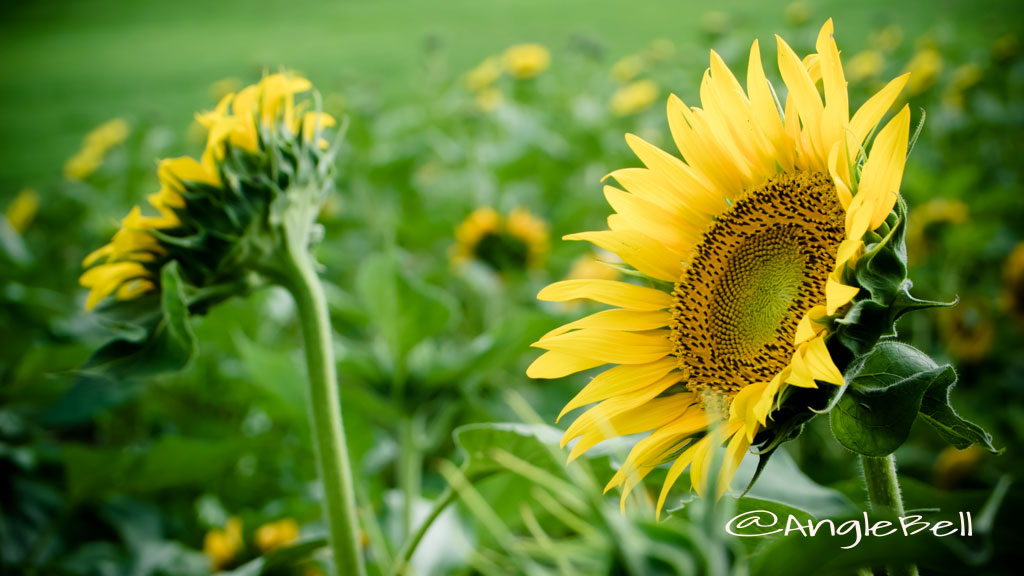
<point x="255" y="192"/>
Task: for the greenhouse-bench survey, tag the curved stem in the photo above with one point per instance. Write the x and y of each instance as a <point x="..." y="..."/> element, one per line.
<point x="884" y="494"/>
<point x="324" y="404"/>
<point x="405" y="554"/>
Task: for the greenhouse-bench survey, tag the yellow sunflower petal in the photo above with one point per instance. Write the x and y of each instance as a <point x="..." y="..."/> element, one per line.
<point x="883" y="171"/>
<point x="618" y="319"/>
<point x="651" y="414"/>
<point x="638" y="250"/>
<point x="560" y="364"/>
<point x="611" y="346"/>
<point x="609" y="292"/>
<point x="619" y="381"/>
<point x="872" y="111"/>
<point x="677" y="469"/>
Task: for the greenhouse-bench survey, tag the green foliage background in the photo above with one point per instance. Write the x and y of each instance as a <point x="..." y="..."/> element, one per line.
<point x="128" y="476"/>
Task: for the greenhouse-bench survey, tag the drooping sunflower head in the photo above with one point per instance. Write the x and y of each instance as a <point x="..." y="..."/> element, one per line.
<point x="748" y="244"/>
<point x="505" y="243"/>
<point x="219" y="216"/>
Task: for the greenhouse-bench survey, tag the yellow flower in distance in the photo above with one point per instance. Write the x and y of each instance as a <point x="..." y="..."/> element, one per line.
<point x="633" y="98"/>
<point x="745" y="241"/>
<point x="924" y="68"/>
<point x="1013" y="283"/>
<point x="205" y="209"/>
<point x="22" y="210"/>
<point x="517" y="242"/>
<point x="865" y="65"/>
<point x="485" y="74"/>
<point x="928" y="215"/>
<point x="223" y="546"/>
<point x="94" y="148"/>
<point x="526" y="60"/>
<point x="277" y="534"/>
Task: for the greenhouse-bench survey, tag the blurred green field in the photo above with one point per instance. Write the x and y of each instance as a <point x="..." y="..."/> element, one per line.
<point x="65" y="67"/>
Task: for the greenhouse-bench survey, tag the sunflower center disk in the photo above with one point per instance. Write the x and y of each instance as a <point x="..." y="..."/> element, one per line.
<point x="759" y="268"/>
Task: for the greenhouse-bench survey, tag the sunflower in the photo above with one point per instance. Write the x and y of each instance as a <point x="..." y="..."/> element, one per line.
<point x="515" y="242"/>
<point x="208" y="212"/>
<point x="745" y="246"/>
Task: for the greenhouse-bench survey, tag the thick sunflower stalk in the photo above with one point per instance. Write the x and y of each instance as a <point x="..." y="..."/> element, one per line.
<point x="241" y="216"/>
<point x="771" y="260"/>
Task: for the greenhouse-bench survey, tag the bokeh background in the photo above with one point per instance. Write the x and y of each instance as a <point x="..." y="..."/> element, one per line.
<point x="209" y="469"/>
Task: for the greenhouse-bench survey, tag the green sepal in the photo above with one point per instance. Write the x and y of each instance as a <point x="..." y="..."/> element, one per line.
<point x="167" y="346"/>
<point x="159" y="343"/>
<point x="881" y="274"/>
<point x="885" y="393"/>
<point x="796" y="407"/>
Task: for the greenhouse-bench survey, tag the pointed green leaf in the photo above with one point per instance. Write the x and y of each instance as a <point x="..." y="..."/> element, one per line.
<point x="887" y="389"/>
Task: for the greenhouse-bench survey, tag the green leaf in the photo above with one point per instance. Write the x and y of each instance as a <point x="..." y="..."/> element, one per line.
<point x="168" y="347"/>
<point x="169" y="463"/>
<point x="937" y="410"/>
<point x="404" y="310"/>
<point x="533" y="443"/>
<point x="279" y="560"/>
<point x="167" y="344"/>
<point x="887" y="388"/>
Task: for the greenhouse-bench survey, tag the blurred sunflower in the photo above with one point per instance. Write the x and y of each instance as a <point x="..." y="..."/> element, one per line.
<point x="525" y="61"/>
<point x="745" y="244"/>
<point x="517" y="242"/>
<point x="925" y="218"/>
<point x="212" y="214"/>
<point x="22" y="210"/>
<point x="95" y="147"/>
<point x="223" y="546"/>
<point x="634" y="97"/>
<point x="277" y="534"/>
<point x="1013" y="283"/>
<point x="967" y="330"/>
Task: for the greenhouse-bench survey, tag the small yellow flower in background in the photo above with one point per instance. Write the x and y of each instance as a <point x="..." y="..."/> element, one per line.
<point x="927" y="215"/>
<point x="963" y="78"/>
<point x="865" y="65"/>
<point x="715" y="23"/>
<point x="924" y="68"/>
<point x="1013" y="283"/>
<point x="485" y="74"/>
<point x="887" y="39"/>
<point x="489" y="99"/>
<point x="633" y="98"/>
<point x="798" y="13"/>
<point x="277" y="534"/>
<point x="1005" y="47"/>
<point x="22" y="210"/>
<point x="953" y="466"/>
<point x="590" y="267"/>
<point x="223" y="546"/>
<point x="225" y="86"/>
<point x="967" y="330"/>
<point x="526" y="60"/>
<point x="515" y="242"/>
<point x="94" y="148"/>
<point x="660" y="50"/>
<point x="627" y="68"/>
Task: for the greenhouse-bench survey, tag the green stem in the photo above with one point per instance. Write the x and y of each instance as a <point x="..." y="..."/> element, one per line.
<point x="401" y="564"/>
<point x="408" y="471"/>
<point x="884" y="494"/>
<point x="324" y="404"/>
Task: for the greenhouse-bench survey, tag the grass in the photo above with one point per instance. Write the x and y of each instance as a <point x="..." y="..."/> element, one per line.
<point x="66" y="67"/>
